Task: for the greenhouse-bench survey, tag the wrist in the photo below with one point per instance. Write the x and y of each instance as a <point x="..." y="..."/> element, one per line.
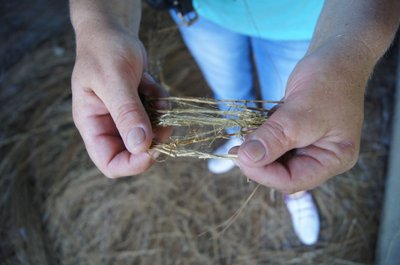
<point x="343" y="58"/>
<point x="88" y="15"/>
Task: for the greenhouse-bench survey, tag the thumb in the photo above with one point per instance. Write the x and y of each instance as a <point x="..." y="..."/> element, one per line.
<point x="130" y="117"/>
<point x="269" y="142"/>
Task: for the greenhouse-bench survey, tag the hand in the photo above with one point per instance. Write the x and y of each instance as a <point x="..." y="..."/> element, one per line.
<point x="107" y="110"/>
<point x="314" y="134"/>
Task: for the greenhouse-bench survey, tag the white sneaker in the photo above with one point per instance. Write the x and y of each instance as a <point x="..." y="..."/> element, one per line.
<point x="220" y="166"/>
<point x="304" y="215"/>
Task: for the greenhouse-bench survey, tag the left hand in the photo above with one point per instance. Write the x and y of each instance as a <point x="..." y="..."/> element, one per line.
<point x="314" y="134"/>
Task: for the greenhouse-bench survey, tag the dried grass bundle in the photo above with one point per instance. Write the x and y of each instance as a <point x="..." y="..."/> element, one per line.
<point x="205" y="120"/>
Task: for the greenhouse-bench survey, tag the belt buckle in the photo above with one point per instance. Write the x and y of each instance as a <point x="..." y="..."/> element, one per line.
<point x="186" y="20"/>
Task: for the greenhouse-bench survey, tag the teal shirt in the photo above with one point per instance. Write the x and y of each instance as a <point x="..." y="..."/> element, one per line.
<point x="269" y="19"/>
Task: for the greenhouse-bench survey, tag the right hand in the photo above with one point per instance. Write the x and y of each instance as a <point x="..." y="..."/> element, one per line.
<point x="106" y="80"/>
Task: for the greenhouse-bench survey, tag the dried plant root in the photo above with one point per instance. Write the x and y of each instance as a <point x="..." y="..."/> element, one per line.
<point x="206" y="120"/>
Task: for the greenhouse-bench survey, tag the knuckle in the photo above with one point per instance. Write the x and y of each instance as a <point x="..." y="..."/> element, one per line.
<point x="127" y="113"/>
<point x="348" y="152"/>
<point x="108" y="173"/>
<point x="352" y="158"/>
<point x="352" y="161"/>
<point x="279" y="133"/>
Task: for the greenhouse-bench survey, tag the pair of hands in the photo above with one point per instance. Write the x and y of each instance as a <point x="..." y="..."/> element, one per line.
<point x="319" y="124"/>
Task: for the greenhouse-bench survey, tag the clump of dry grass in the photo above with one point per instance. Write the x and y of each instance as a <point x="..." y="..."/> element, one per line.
<point x="205" y="120"/>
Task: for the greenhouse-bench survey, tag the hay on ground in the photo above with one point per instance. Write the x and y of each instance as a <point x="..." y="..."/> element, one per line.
<point x="57" y="208"/>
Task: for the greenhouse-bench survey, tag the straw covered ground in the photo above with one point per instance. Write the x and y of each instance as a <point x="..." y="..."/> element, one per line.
<point x="57" y="208"/>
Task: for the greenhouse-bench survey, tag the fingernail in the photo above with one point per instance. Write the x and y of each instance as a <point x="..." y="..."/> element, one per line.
<point x="135" y="137"/>
<point x="254" y="150"/>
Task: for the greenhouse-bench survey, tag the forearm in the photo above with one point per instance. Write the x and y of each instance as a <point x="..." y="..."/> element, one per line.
<point x="103" y="13"/>
<point x="354" y="34"/>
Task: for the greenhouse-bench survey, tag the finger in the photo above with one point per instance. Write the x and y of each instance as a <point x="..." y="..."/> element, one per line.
<point x="102" y="140"/>
<point x="308" y="168"/>
<point x="274" y="138"/>
<point x="122" y="99"/>
<point x="110" y="154"/>
<point x="288" y="128"/>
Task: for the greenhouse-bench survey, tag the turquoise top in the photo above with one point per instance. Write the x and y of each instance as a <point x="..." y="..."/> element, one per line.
<point x="269" y="19"/>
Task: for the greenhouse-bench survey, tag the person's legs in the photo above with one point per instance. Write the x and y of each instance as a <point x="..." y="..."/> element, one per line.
<point x="304" y="215"/>
<point x="275" y="60"/>
<point x="224" y="59"/>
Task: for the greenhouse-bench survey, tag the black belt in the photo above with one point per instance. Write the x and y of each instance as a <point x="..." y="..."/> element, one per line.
<point x="182" y="7"/>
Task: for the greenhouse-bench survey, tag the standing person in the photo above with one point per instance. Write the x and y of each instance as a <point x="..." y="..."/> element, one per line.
<point x="223" y="37"/>
<point x="320" y="122"/>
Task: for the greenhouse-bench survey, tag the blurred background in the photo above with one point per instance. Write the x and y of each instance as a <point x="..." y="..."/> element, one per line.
<point x="57" y="208"/>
